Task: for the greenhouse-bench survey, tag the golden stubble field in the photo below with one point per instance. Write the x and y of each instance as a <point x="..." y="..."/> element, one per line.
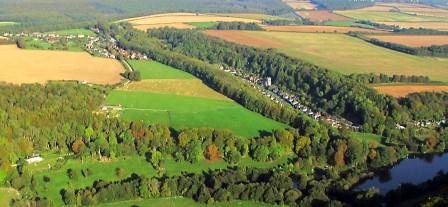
<point x="403" y="90"/>
<point x="39" y="66"/>
<point x="414" y="40"/>
<point x="320" y="29"/>
<point x="179" y="20"/>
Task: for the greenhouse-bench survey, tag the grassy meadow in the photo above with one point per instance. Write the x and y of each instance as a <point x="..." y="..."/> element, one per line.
<point x="7" y="23"/>
<point x="178" y="99"/>
<point x="6" y="195"/>
<point x="107" y="171"/>
<point x="68" y="32"/>
<point x="203" y="25"/>
<point x="348" y="55"/>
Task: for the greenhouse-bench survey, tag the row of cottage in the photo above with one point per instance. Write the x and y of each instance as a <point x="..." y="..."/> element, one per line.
<point x="279" y="96"/>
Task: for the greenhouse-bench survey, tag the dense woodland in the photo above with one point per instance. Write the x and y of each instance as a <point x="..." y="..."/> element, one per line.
<point x="370" y="78"/>
<point x="236" y="26"/>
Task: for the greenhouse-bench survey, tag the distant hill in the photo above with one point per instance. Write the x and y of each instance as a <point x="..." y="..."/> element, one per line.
<point x="60" y="13"/>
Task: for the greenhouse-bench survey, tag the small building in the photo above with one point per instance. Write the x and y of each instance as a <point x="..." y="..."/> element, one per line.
<point x="268" y="82"/>
<point x="35" y="158"/>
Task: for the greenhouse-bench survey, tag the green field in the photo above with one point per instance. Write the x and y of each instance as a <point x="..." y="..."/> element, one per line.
<point x="68" y="32"/>
<point x="347" y="55"/>
<point x="180" y="202"/>
<point x="43" y="45"/>
<point x="366" y="137"/>
<point x="204" y="25"/>
<point x="7" y="23"/>
<point x="155" y="70"/>
<point x="379" y="16"/>
<point x="106" y="171"/>
<point x="189" y="112"/>
<point x="184" y="111"/>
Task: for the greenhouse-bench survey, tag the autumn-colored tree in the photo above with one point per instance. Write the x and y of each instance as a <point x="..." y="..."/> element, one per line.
<point x="78" y="146"/>
<point x="25" y="146"/>
<point x="212" y="152"/>
<point x="339" y="156"/>
<point x="372" y="154"/>
<point x="431" y="142"/>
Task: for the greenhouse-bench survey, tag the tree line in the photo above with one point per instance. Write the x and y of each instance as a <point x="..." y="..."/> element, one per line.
<point x="371" y="78"/>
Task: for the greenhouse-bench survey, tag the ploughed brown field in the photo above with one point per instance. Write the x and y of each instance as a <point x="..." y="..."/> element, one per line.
<point x="414" y="40"/>
<point x="39" y="66"/>
<point x="322" y="15"/>
<point x="326" y="29"/>
<point x="403" y="90"/>
<point x="244" y="38"/>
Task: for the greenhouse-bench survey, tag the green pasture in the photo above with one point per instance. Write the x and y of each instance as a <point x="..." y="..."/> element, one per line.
<point x="204" y="25"/>
<point x="190" y="112"/>
<point x="7" y="23"/>
<point x="68" y="32"/>
<point x="38" y="44"/>
<point x="367" y="137"/>
<point x="156" y="70"/>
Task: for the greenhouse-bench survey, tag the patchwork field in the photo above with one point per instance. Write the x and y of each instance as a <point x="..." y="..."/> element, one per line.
<point x="381" y="16"/>
<point x="403" y="90"/>
<point x="324" y="29"/>
<point x="176" y="99"/>
<point x="344" y="54"/>
<point x="301" y="4"/>
<point x="414" y="40"/>
<point x="430" y="25"/>
<point x="321" y="15"/>
<point x="38" y="66"/>
<point x="178" y="20"/>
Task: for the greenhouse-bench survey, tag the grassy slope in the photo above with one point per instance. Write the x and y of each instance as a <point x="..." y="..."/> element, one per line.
<point x="186" y="111"/>
<point x="183" y="112"/>
<point x="350" y="55"/>
<point x="155" y="70"/>
<point x="6" y="195"/>
<point x="106" y="171"/>
<point x="203" y="25"/>
<point x="85" y="32"/>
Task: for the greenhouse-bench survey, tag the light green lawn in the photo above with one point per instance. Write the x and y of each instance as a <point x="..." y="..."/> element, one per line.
<point x="379" y="16"/>
<point x="346" y="23"/>
<point x="7" y="23"/>
<point x="180" y="202"/>
<point x="42" y="45"/>
<point x="347" y="55"/>
<point x="156" y="70"/>
<point x="367" y="137"/>
<point x="204" y="25"/>
<point x="68" y="32"/>
<point x="191" y="112"/>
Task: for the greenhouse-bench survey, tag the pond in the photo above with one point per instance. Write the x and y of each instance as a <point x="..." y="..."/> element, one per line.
<point x="413" y="170"/>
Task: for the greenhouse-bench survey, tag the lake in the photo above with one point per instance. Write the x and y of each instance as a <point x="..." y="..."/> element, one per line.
<point x="413" y="170"/>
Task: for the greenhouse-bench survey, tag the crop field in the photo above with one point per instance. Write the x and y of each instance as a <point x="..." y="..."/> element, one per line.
<point x="403" y="90"/>
<point x="39" y="66"/>
<point x="429" y="25"/>
<point x="322" y="15"/>
<point x="414" y="40"/>
<point x="242" y="38"/>
<point x="301" y="4"/>
<point x="345" y="54"/>
<point x="250" y="16"/>
<point x="381" y="16"/>
<point x="203" y="25"/>
<point x="322" y="29"/>
<point x="175" y="98"/>
<point x="174" y="19"/>
<point x="145" y="27"/>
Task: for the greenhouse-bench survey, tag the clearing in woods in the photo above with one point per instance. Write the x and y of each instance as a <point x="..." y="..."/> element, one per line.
<point x="176" y="98"/>
<point x="343" y="53"/>
<point x="178" y="20"/>
<point x="403" y="90"/>
<point x="39" y="66"/>
<point x="414" y="40"/>
<point x="323" y="29"/>
<point x="321" y="15"/>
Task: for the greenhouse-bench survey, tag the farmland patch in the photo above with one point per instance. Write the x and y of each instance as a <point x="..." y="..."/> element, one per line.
<point x="324" y="29"/>
<point x="414" y="40"/>
<point x="403" y="90"/>
<point x="36" y="66"/>
<point x="321" y="15"/>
